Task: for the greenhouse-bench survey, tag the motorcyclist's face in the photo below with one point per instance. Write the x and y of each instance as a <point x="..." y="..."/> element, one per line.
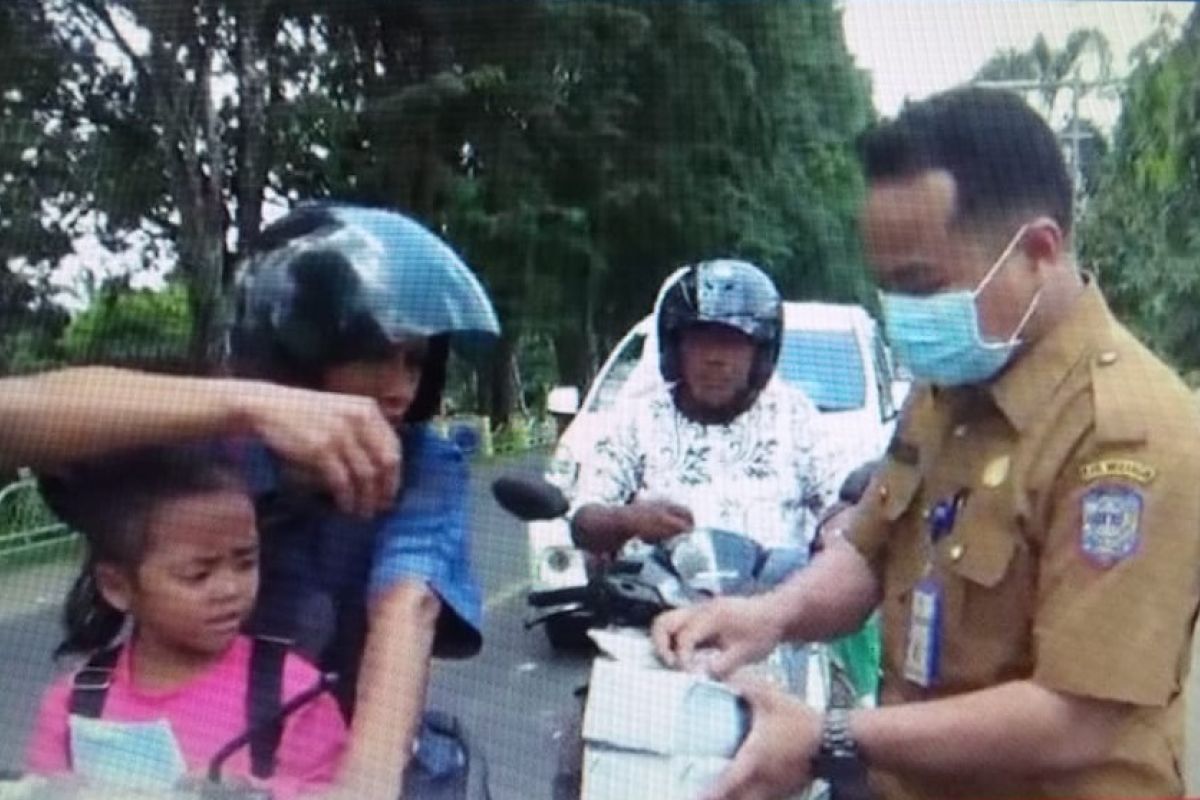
<point x="391" y="381"/>
<point x="715" y="362"/>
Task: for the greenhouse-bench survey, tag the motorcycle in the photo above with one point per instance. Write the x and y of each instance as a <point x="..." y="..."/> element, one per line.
<point x="646" y="580"/>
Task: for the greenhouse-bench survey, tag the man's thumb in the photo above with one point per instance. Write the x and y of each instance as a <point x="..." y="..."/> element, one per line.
<point x="725" y="662"/>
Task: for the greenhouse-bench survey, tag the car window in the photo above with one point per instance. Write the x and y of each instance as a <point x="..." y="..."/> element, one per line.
<point x="618" y="373"/>
<point x="827" y="365"/>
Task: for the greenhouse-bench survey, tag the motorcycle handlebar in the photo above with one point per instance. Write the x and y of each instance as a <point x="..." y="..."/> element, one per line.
<point x="545" y="598"/>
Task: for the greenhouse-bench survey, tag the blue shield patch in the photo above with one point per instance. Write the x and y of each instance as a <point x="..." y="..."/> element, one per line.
<point x="1112" y="518"/>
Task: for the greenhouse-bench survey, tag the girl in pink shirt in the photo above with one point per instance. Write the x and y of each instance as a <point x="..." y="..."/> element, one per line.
<point x="173" y="558"/>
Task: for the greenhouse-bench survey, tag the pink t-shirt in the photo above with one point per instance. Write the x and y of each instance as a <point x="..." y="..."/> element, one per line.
<point x="204" y="716"/>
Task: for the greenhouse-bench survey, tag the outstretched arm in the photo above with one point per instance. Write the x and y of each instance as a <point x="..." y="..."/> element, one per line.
<point x="1016" y="729"/>
<point x="82" y="412"/>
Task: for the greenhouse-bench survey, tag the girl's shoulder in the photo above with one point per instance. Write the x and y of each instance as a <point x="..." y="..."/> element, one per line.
<point x="58" y="694"/>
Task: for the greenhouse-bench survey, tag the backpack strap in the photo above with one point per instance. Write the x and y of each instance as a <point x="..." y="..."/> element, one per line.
<point x="264" y="703"/>
<point x="89" y="687"/>
<point x="266" y="712"/>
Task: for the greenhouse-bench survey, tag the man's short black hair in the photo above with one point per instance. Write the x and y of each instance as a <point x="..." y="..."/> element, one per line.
<point x="1003" y="156"/>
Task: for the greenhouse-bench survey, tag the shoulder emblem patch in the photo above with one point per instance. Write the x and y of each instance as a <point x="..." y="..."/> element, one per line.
<point x="1111" y="529"/>
<point x="1123" y="468"/>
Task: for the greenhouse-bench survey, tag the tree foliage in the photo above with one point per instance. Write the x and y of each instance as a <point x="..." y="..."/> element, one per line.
<point x="575" y="153"/>
<point x="1078" y="69"/>
<point x="127" y="326"/>
<point x="1142" y="230"/>
<point x="1086" y="55"/>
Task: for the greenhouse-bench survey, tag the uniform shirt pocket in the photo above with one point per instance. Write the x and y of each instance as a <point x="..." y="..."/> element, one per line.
<point x="989" y="594"/>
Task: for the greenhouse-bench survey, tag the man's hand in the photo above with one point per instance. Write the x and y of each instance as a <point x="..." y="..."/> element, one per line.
<point x="653" y="520"/>
<point x="743" y="630"/>
<point x="775" y="760"/>
<point x="605" y="529"/>
<point x="344" y="440"/>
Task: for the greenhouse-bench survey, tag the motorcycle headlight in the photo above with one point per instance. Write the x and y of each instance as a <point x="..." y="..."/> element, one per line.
<point x="563" y="471"/>
<point x="561" y="567"/>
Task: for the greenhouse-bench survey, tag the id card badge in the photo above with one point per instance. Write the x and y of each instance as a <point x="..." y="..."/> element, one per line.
<point x="924" y="633"/>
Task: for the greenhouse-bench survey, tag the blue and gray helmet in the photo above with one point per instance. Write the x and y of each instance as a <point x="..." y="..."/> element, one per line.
<point x="329" y="284"/>
<point x="726" y="292"/>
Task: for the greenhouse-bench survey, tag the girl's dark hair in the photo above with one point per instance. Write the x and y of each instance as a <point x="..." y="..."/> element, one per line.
<point x="428" y="400"/>
<point x="109" y="501"/>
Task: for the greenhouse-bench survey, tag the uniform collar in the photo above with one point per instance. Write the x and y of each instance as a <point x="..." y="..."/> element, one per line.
<point x="1023" y="390"/>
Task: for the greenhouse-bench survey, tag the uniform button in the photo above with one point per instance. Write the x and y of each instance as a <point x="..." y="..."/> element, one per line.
<point x="960" y="431"/>
<point x="883" y="492"/>
<point x="956" y="552"/>
<point x="1107" y="358"/>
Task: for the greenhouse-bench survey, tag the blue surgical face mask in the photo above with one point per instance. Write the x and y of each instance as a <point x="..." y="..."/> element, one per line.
<point x="128" y="755"/>
<point x="938" y="336"/>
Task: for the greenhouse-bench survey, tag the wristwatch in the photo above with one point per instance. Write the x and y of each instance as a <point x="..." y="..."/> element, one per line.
<point x="838" y="759"/>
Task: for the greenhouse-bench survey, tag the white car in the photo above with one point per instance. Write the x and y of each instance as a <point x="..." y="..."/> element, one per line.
<point x="835" y="353"/>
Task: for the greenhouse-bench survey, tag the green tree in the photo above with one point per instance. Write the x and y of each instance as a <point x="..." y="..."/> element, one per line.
<point x="1142" y="228"/>
<point x="639" y="137"/>
<point x="132" y="326"/>
<point x="31" y="170"/>
<point x="1078" y="69"/>
<point x="1052" y="69"/>
<point x="575" y="159"/>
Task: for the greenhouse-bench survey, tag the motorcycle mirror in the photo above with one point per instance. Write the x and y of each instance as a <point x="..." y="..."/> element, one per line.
<point x="855" y="484"/>
<point x="780" y="564"/>
<point x="714" y="562"/>
<point x="529" y="498"/>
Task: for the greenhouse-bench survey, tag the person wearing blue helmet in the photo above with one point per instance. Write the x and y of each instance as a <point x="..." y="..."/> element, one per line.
<point x="366" y="302"/>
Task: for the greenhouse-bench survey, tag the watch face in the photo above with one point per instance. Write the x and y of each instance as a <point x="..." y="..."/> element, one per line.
<point x="843" y="770"/>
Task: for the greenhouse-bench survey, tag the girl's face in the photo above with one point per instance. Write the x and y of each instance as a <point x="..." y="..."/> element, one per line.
<point x="392" y="381"/>
<point x="197" y="582"/>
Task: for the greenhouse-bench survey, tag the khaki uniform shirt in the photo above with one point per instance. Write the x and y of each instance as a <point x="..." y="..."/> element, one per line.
<point x="1073" y="558"/>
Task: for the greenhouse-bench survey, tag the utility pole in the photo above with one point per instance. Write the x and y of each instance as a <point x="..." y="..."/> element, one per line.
<point x="1074" y="136"/>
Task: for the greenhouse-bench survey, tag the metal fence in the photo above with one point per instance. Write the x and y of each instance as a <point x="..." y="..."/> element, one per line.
<point x="26" y="524"/>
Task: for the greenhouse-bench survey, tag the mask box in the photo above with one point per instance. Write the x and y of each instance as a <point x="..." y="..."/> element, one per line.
<point x="653" y="732"/>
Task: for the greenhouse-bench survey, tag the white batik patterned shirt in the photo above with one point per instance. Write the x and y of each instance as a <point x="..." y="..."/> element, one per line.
<point x="767" y="474"/>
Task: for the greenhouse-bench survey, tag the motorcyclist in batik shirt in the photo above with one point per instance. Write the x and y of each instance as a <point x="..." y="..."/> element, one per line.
<point x="722" y="441"/>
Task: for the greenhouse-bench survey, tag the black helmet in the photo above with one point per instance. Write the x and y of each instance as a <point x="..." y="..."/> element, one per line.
<point x="328" y="284"/>
<point x="736" y="294"/>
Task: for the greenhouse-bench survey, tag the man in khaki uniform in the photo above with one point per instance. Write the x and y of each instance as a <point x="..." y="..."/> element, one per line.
<point x="1033" y="538"/>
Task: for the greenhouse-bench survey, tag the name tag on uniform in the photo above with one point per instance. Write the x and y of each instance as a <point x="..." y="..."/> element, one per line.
<point x="924" y="630"/>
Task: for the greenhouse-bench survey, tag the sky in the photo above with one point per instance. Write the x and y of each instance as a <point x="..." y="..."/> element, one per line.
<point x="914" y="48"/>
<point x="911" y="48"/>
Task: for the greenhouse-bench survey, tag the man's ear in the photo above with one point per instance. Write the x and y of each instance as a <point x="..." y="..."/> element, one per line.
<point x="1043" y="242"/>
<point x="114" y="586"/>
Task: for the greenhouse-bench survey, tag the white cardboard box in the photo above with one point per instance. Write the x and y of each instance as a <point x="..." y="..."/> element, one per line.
<point x="650" y="732"/>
